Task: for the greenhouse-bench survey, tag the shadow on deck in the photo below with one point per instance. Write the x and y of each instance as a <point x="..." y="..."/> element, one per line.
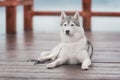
<point x="15" y="50"/>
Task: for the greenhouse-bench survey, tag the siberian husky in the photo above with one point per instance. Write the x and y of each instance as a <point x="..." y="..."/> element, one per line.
<point x="74" y="48"/>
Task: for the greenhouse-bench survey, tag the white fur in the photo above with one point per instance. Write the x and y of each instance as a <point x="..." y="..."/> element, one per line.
<point x="72" y="49"/>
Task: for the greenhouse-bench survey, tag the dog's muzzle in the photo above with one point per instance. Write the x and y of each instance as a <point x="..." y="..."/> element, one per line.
<point x="67" y="32"/>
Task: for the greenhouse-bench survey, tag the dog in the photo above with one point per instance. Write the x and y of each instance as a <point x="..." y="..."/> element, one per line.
<point x="74" y="48"/>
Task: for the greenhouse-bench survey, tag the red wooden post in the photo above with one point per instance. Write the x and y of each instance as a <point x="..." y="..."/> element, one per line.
<point x="11" y="19"/>
<point x="87" y="18"/>
<point x="28" y="23"/>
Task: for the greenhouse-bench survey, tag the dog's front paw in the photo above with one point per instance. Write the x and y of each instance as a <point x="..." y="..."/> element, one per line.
<point x="84" y="67"/>
<point x="50" y="66"/>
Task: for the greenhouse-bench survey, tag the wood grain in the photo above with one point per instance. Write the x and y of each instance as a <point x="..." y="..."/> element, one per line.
<point x="17" y="49"/>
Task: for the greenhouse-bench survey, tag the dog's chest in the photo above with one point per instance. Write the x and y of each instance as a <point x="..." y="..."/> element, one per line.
<point x="72" y="48"/>
<point x="71" y="52"/>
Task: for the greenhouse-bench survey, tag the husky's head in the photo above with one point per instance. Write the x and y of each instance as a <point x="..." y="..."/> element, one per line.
<point x="70" y="28"/>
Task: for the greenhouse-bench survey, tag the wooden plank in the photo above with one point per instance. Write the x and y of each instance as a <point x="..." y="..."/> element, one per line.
<point x="8" y="3"/>
<point x="28" y="22"/>
<point x="18" y="78"/>
<point x="15" y="3"/>
<point x="68" y="76"/>
<point x="57" y="13"/>
<point x="52" y="13"/>
<point x="25" y="2"/>
<point x="11" y="20"/>
<point x="86" y="4"/>
<point x="59" y="70"/>
<point x="106" y="14"/>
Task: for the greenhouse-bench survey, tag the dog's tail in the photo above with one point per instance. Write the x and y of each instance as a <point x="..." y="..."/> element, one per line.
<point x="90" y="49"/>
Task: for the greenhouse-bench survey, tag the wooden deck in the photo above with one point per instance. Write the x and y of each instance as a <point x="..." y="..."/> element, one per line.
<point x="15" y="50"/>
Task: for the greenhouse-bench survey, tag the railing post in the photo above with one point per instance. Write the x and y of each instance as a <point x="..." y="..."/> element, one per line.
<point x="28" y="23"/>
<point x="11" y="19"/>
<point x="86" y="4"/>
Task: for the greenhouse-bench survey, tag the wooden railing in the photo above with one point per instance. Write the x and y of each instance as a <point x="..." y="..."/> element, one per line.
<point x="11" y="14"/>
<point x="29" y="13"/>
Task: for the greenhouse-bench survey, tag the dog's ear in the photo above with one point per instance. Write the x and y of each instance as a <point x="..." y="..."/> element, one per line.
<point x="63" y="15"/>
<point x="76" y="16"/>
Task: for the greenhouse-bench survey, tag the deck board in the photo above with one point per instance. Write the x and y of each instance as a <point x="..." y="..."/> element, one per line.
<point x="16" y="49"/>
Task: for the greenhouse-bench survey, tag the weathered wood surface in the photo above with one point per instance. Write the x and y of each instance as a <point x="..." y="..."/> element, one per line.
<point x="16" y="49"/>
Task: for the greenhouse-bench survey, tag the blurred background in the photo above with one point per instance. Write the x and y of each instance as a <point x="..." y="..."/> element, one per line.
<point x="99" y="24"/>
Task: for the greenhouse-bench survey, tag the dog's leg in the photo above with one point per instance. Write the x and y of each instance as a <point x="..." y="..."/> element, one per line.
<point x="56" y="63"/>
<point x="52" y="55"/>
<point x="45" y="53"/>
<point x="45" y="58"/>
<point x="85" y="64"/>
<point x="84" y="58"/>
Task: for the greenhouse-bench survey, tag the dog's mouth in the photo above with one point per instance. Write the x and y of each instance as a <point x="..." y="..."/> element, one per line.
<point x="67" y="33"/>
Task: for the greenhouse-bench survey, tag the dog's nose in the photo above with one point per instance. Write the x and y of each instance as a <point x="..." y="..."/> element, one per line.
<point x="67" y="32"/>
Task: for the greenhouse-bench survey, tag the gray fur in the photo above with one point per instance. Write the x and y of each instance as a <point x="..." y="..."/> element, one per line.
<point x="69" y="19"/>
<point x="90" y="48"/>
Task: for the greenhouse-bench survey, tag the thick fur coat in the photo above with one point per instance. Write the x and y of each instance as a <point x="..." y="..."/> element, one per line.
<point x="73" y="48"/>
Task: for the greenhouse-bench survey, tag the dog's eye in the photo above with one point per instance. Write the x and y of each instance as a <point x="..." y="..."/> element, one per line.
<point x="65" y="24"/>
<point x="72" y="24"/>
